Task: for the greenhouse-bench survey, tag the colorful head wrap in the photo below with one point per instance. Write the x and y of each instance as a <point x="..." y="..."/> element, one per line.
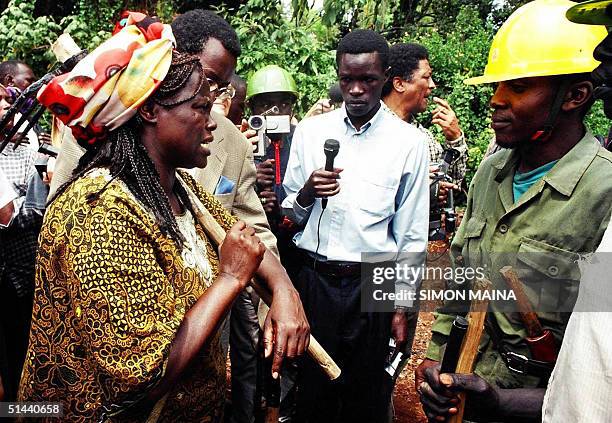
<point x="105" y="89"/>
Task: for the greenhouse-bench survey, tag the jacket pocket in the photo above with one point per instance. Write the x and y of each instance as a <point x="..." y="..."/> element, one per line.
<point x="548" y="260"/>
<point x="474" y="227"/>
<point x="471" y="251"/>
<point x="550" y="276"/>
<point x="226" y="200"/>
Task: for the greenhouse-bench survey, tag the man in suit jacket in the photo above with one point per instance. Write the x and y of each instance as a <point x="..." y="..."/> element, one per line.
<point x="230" y="174"/>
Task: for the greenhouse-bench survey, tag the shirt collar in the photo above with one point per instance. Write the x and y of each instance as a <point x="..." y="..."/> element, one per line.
<point x="373" y="121"/>
<point x="564" y="176"/>
<point x="388" y="109"/>
<point x="412" y="120"/>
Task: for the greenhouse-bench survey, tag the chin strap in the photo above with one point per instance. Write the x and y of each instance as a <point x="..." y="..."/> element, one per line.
<point x="602" y="92"/>
<point x="555" y="108"/>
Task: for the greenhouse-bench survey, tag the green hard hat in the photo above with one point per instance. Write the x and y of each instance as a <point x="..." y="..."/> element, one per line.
<point x="593" y="12"/>
<point x="270" y="79"/>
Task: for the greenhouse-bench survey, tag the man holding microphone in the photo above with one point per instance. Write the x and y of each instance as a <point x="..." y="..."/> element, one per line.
<point x="377" y="201"/>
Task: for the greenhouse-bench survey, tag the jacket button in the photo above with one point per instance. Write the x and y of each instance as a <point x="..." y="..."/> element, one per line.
<point x="503" y="228"/>
<point x="553" y="270"/>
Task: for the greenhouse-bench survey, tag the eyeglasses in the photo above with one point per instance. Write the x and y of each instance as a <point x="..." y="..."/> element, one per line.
<point x="226" y="92"/>
<point x="217" y="92"/>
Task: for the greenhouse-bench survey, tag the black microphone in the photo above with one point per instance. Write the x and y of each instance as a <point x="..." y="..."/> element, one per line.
<point x="330" y="149"/>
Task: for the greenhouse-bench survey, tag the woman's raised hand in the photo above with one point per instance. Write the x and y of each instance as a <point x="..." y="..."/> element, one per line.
<point x="241" y="253"/>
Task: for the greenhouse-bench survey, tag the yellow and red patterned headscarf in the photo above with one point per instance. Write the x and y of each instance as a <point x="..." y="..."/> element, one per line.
<point x="105" y="89"/>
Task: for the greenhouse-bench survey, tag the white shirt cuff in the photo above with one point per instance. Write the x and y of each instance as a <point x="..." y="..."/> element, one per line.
<point x="301" y="213"/>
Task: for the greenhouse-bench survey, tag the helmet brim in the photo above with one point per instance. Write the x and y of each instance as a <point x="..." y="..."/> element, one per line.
<point x="477" y="80"/>
<point x="593" y="12"/>
<point x="292" y="93"/>
<point x="495" y="78"/>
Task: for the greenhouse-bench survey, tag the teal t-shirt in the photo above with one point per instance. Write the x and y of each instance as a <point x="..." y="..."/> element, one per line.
<point x="521" y="182"/>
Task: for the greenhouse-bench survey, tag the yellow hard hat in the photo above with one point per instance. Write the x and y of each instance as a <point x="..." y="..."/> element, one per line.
<point x="538" y="40"/>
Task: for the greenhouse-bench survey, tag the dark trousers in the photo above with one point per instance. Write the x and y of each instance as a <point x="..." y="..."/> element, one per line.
<point x="357" y="341"/>
<point x="243" y="340"/>
<point x="15" y="317"/>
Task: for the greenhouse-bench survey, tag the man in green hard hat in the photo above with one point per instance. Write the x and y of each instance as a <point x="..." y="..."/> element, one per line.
<point x="271" y="95"/>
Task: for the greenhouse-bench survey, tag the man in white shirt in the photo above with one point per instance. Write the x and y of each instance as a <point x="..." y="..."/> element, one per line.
<point x="378" y="202"/>
<point x="19" y="227"/>
<point x="7" y="210"/>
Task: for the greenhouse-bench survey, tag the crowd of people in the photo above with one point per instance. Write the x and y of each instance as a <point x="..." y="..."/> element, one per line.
<point x="119" y="301"/>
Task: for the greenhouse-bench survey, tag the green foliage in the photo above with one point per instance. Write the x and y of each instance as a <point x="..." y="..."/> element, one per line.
<point x="596" y="121"/>
<point x="268" y="37"/>
<point x="459" y="53"/>
<point x="350" y="14"/>
<point x="91" y="23"/>
<point x="27" y="38"/>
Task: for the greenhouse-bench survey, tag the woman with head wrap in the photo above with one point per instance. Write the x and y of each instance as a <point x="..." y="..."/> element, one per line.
<point x="129" y="290"/>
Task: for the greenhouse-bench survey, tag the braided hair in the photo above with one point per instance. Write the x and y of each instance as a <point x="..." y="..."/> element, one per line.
<point x="127" y="158"/>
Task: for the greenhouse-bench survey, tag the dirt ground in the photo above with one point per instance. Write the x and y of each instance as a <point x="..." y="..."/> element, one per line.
<point x="405" y="399"/>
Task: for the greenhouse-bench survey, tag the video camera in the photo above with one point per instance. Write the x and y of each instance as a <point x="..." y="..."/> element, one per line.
<point x="268" y="126"/>
<point x="436" y="231"/>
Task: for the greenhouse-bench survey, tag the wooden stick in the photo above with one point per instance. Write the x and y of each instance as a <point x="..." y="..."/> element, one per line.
<point x="469" y="348"/>
<point x="64" y="48"/>
<point x="528" y="315"/>
<point x="217" y="234"/>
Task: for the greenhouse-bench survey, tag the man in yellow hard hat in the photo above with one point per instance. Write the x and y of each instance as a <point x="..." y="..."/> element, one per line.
<point x="580" y="389"/>
<point x="527" y="208"/>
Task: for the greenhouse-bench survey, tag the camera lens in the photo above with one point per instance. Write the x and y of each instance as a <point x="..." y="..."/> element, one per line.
<point x="256" y="122"/>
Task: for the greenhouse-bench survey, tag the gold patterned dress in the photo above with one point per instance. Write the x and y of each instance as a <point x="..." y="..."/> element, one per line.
<point x="111" y="292"/>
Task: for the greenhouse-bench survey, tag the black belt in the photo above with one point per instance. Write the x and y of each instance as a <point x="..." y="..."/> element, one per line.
<point x="338" y="269"/>
<point x="520" y="364"/>
<point x="517" y="363"/>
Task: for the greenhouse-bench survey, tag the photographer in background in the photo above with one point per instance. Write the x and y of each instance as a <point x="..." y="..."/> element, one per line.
<point x="271" y="95"/>
<point x="21" y="215"/>
<point x="16" y="76"/>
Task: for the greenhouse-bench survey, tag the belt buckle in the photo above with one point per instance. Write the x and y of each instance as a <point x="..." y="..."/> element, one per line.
<point x="515" y="360"/>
